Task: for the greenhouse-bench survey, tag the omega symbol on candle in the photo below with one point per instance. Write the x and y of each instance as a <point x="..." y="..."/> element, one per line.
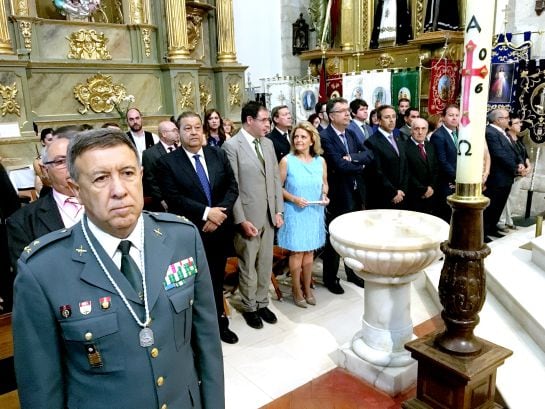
<point x="461" y="143"/>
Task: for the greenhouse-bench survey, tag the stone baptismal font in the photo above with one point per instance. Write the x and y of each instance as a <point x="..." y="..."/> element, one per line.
<point x="388" y="249"/>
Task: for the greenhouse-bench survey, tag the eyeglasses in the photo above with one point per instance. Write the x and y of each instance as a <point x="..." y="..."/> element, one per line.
<point x="503" y="117"/>
<point x="57" y="163"/>
<point x="340" y="111"/>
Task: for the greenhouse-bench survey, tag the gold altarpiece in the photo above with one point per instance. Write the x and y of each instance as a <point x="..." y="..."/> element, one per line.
<point x="351" y="52"/>
<point x="57" y="70"/>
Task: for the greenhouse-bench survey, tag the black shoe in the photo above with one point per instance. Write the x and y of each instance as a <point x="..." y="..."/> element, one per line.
<point x="353" y="278"/>
<point x="252" y="319"/>
<point x="228" y="336"/>
<point x="487" y="239"/>
<point x="335" y="287"/>
<point x="496" y="233"/>
<point x="267" y="315"/>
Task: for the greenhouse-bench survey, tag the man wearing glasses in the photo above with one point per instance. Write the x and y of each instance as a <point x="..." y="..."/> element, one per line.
<point x="505" y="165"/>
<point x="51" y="212"/>
<point x="346" y="159"/>
<point x="169" y="138"/>
<point x="257" y="211"/>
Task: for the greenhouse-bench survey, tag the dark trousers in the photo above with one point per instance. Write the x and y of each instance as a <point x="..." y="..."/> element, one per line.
<point x="498" y="196"/>
<point x="217" y="248"/>
<point x="330" y="257"/>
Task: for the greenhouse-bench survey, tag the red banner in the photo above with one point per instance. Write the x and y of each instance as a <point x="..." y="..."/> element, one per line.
<point x="444" y="84"/>
<point x="334" y="84"/>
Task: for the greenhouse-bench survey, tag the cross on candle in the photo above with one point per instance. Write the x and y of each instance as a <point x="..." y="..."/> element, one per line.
<point x="475" y="83"/>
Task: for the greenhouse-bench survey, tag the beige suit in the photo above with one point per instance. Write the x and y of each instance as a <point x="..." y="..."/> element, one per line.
<point x="260" y="198"/>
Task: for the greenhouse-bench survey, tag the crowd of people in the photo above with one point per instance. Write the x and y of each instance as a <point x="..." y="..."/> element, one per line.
<point x="212" y="192"/>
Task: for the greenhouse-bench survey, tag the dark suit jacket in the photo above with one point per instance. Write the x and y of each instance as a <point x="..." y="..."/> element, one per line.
<point x="504" y="158"/>
<point x="55" y="372"/>
<point x="358" y="131"/>
<point x="341" y="174"/>
<point x="405" y="133"/>
<point x="281" y="145"/>
<point x="149" y="161"/>
<point x="388" y="174"/>
<point x="30" y="222"/>
<point x="183" y="191"/>
<point x="149" y="139"/>
<point x="422" y="173"/>
<point x="446" y="157"/>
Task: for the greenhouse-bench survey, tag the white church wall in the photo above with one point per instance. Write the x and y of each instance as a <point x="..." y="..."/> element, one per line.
<point x="257" y="37"/>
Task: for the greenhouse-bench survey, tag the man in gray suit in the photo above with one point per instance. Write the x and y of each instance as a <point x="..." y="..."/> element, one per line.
<point x="257" y="211"/>
<point x="117" y="311"/>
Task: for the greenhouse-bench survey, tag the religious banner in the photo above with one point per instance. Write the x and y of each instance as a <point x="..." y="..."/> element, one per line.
<point x="306" y="97"/>
<point x="334" y="86"/>
<point x="505" y="72"/>
<point x="531" y="98"/>
<point x="279" y="92"/>
<point x="352" y="86"/>
<point x="405" y="85"/>
<point x="377" y="92"/>
<point x="444" y="84"/>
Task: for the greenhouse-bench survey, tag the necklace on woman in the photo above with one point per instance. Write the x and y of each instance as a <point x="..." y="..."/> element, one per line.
<point x="146" y="334"/>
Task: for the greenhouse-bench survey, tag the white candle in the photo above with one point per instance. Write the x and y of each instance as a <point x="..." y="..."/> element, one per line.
<point x="475" y="83"/>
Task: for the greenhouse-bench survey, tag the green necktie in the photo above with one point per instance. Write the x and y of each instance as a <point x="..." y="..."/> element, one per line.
<point x="129" y="268"/>
<point x="257" y="144"/>
<point x="455" y="137"/>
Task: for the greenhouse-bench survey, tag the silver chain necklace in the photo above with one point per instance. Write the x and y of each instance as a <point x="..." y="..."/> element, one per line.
<point x="146" y="334"/>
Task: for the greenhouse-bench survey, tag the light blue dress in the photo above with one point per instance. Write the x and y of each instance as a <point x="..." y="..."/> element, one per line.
<point x="304" y="228"/>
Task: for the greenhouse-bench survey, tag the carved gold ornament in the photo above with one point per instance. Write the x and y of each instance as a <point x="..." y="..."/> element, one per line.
<point x="99" y="94"/>
<point x="9" y="105"/>
<point x="88" y="45"/>
<point x="26" y="32"/>
<point x="385" y="60"/>
<point x="234" y="94"/>
<point x="186" y="95"/>
<point x="21" y="7"/>
<point x="194" y="20"/>
<point x="205" y="97"/>
<point x="146" y="39"/>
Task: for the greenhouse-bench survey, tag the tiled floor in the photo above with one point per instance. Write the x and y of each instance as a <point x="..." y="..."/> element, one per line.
<point x="338" y="389"/>
<point x="302" y="347"/>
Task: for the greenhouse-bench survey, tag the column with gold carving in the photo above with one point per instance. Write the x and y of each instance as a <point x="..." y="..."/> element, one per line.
<point x="5" y="40"/>
<point x="139" y="12"/>
<point x="178" y="46"/>
<point x="347" y="25"/>
<point x="226" y="32"/>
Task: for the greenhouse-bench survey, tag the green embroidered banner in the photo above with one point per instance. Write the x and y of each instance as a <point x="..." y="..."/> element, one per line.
<point x="405" y="85"/>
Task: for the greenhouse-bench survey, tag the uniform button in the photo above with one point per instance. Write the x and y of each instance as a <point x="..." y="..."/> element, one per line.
<point x="154" y="353"/>
<point x="88" y="336"/>
<point x="164" y="406"/>
<point x="191" y="302"/>
<point x="160" y="381"/>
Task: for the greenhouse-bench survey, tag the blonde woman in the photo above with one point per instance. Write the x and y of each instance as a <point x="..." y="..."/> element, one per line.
<point x="303" y="174"/>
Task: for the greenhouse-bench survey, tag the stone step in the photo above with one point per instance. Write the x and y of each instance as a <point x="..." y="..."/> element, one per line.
<point x="513" y="316"/>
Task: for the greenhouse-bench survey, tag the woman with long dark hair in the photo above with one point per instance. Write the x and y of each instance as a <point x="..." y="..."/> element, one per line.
<point x="213" y="128"/>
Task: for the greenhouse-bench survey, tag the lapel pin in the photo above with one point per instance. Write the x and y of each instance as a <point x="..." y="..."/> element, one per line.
<point x="85" y="307"/>
<point x="27" y="249"/>
<point x="157" y="231"/>
<point x="65" y="310"/>
<point x="105" y="302"/>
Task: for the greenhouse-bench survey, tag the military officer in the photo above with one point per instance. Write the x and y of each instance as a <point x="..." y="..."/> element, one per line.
<point x="117" y="311"/>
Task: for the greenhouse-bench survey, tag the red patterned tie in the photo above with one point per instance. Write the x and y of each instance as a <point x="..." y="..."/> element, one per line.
<point x="422" y="151"/>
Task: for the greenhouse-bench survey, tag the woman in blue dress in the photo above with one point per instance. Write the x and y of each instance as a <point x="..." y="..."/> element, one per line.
<point x="303" y="174"/>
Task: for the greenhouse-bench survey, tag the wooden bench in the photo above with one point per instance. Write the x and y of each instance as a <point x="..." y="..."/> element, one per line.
<point x="9" y="399"/>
